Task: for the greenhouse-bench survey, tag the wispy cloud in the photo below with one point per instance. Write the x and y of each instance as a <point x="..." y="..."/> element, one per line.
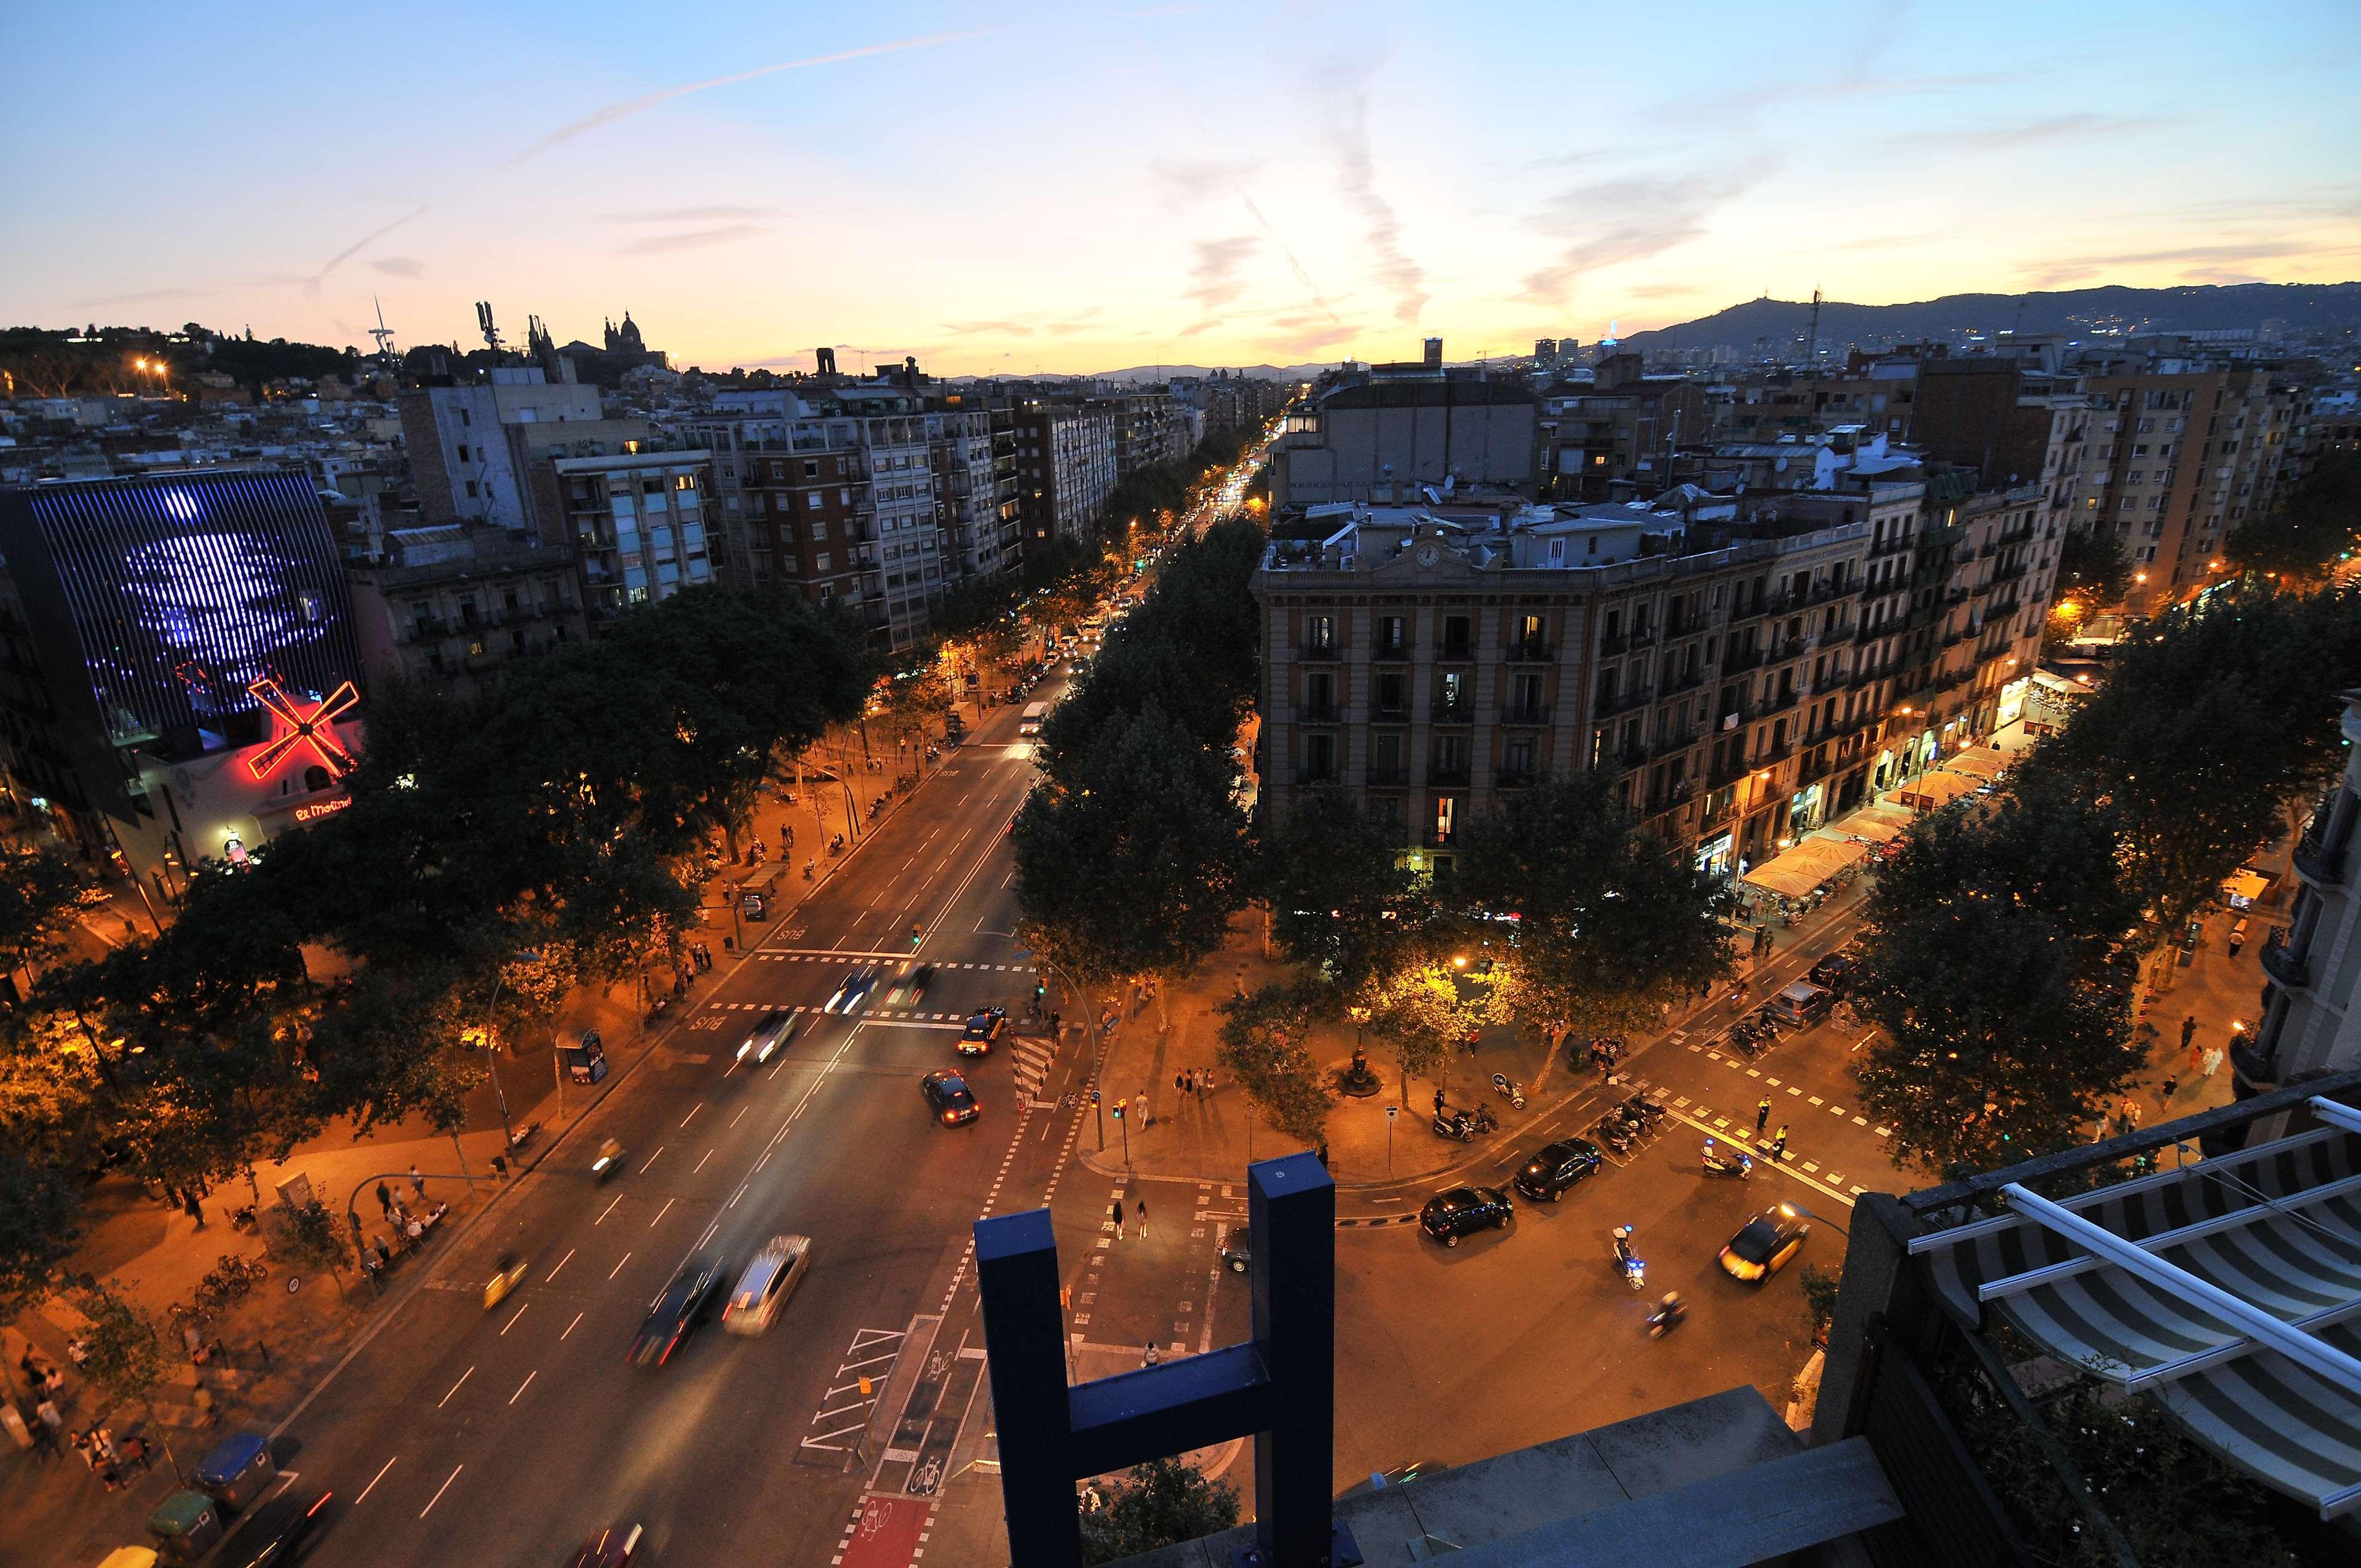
<point x="1214" y="280"/>
<point x="400" y="266"/>
<point x="715" y="215"/>
<point x="1610" y="222"/>
<point x="1346" y="126"/>
<point x="1185" y="183"/>
<point x="365" y="241"/>
<point x="994" y="329"/>
<point x="645" y="101"/>
<point x="2044" y="132"/>
<point x="693" y="239"/>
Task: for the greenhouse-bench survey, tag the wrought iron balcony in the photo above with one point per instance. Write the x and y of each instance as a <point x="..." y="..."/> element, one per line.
<point x="1445" y="774"/>
<point x="1316" y="651"/>
<point x="1383" y="776"/>
<point x="1448" y="711"/>
<point x="1518" y="778"/>
<point x="1529" y="650"/>
<point x="1525" y="713"/>
<point x="2283" y="964"/>
<point x="1318" y="713"/>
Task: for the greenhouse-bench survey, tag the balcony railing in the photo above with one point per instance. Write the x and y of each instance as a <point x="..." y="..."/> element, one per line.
<point x="1391" y="649"/>
<point x="1461" y="711"/>
<point x="1319" y="713"/>
<point x="1316" y="774"/>
<point x="2285" y="965"/>
<point x="1632" y="756"/>
<point x="1611" y="644"/>
<point x="2314" y="861"/>
<point x="1518" y="778"/>
<point x="1529" y="713"/>
<point x="1612" y="703"/>
<point x="1385" y="775"/>
<point x="1442" y="838"/>
<point x="1447" y="774"/>
<point x="1532" y="650"/>
<point x="1448" y="649"/>
<point x="1390" y="713"/>
<point x="1741" y="660"/>
<point x="1316" y="651"/>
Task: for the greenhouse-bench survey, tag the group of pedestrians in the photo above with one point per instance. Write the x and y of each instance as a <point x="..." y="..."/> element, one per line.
<point x="1115" y="1214"/>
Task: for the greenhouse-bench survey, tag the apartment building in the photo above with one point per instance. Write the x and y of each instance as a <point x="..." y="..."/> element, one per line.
<point x="638" y="523"/>
<point x="454" y="605"/>
<point x="1987" y="567"/>
<point x="1066" y="468"/>
<point x="2175" y="459"/>
<point x="1728" y="662"/>
<point x="479" y="451"/>
<point x="1618" y="427"/>
<point x="1152" y="428"/>
<point x="2309" y="1024"/>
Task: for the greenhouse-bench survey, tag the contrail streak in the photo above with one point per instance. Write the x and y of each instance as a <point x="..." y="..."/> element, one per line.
<point x="629" y="107"/>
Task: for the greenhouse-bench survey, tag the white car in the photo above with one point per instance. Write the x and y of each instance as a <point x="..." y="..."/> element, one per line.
<point x="770" y="1278"/>
<point x="771" y="1031"/>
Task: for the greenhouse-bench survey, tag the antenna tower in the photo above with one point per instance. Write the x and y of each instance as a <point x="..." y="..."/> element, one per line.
<point x="384" y="335"/>
<point x="484" y="321"/>
<point x="1812" y="342"/>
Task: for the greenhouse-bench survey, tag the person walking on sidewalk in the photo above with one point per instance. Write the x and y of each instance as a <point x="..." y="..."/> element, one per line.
<point x="1779" y="1145"/>
<point x="1149" y="1357"/>
<point x="385" y="1201"/>
<point x="1438" y="1102"/>
<point x="2188" y="1030"/>
<point x="2172" y="1082"/>
<point x="1143" y="1219"/>
<point x="189" y="1202"/>
<point x="1762" y="1114"/>
<point x="417" y="1182"/>
<point x="1115" y="1212"/>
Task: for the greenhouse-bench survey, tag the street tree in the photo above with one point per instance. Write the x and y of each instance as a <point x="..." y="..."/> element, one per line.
<point x="39" y="1223"/>
<point x="1341" y="898"/>
<point x="312" y="1239"/>
<point x="1589" y="921"/>
<point x="1131" y="862"/>
<point x="2316" y="524"/>
<point x="1986" y="950"/>
<point x="42" y="896"/>
<point x="1263" y="1044"/>
<point x="127" y="1356"/>
<point x="1156" y="1505"/>
<point x="1417" y="1011"/>
<point x="2093" y="569"/>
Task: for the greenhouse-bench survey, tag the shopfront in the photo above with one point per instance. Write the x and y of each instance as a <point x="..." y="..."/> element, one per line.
<point x="1716" y="856"/>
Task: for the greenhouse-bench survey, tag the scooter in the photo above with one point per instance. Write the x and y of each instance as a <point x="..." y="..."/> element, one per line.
<point x="1513" y="1092"/>
<point x="1458" y="1125"/>
<point x="1647" y="1110"/>
<point x="1667" y="1315"/>
<point x="1741" y="1168"/>
<point x="243" y="1219"/>
<point x="610" y="1160"/>
<point x="1629" y="1263"/>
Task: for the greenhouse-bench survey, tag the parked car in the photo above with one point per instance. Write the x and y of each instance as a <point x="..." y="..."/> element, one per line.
<point x="1765" y="1244"/>
<point x="1455" y="1211"/>
<point x="273" y="1533"/>
<point x="1801" y="1005"/>
<point x="949" y="1098"/>
<point x="1835" y="971"/>
<point x="1557" y="1166"/>
<point x="983" y="1026"/>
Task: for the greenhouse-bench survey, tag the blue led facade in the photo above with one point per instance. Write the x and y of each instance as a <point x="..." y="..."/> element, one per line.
<point x="178" y="593"/>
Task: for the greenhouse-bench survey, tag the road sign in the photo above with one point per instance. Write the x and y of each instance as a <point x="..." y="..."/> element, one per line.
<point x="1392" y="1112"/>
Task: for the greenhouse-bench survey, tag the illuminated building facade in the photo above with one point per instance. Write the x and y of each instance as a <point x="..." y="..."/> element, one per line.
<point x="177" y="683"/>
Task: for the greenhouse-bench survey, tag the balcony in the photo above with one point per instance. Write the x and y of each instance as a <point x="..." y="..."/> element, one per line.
<point x="1456" y="651"/>
<point x="1612" y="703"/>
<point x="1784" y="701"/>
<point x="1741" y="660"/>
<point x="1316" y="774"/>
<point x="1530" y="652"/>
<point x="1518" y="778"/>
<point x="1319" y="713"/>
<point x="1383" y="776"/>
<point x="1316" y="651"/>
<point x="1611" y="644"/>
<point x="1893" y="545"/>
<point x="2315" y="862"/>
<point x="1644" y="637"/>
<point x="1632" y="756"/>
<point x="1718" y="816"/>
<point x="1686" y="681"/>
<point x="1790" y="648"/>
<point x="1442" y="838"/>
<point x="1726" y="773"/>
<point x="1390" y="713"/>
<point x="2283" y="964"/>
<point x="1445" y="774"/>
<point x="1461" y="711"/>
<point x="1746" y="611"/>
<point x="1532" y="713"/>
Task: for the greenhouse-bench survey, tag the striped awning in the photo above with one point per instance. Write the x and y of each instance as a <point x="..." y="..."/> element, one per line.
<point x="2229" y="1290"/>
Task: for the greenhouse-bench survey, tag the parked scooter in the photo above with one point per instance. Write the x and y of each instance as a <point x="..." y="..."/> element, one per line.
<point x="1457" y="1124"/>
<point x="1629" y="1263"/>
<point x="1514" y="1093"/>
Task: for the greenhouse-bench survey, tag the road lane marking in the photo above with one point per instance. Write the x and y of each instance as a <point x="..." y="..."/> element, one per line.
<point x="662" y="1213"/>
<point x="455" y="1388"/>
<point x="440" y="1490"/>
<point x="652" y="1161"/>
<point x="373" y="1481"/>
<point x="685" y="1121"/>
<point x="614" y="1271"/>
<point x="742" y="1112"/>
<point x="607" y="1211"/>
<point x="578" y="1316"/>
<point x="701" y="1164"/>
<point x="735" y="1196"/>
<point x="524" y="1386"/>
<point x="560" y="1262"/>
<point x="512" y="1321"/>
<point x="709" y="1234"/>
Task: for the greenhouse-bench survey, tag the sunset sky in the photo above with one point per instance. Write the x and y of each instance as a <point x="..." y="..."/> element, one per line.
<point x="1073" y="188"/>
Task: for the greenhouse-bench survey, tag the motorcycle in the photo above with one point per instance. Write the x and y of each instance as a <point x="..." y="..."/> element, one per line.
<point x="610" y="1159"/>
<point x="1514" y="1093"/>
<point x="1647" y="1110"/>
<point x="1667" y="1315"/>
<point x="1458" y="1125"/>
<point x="1485" y="1121"/>
<point x="1614" y="1135"/>
<point x="1629" y="1263"/>
<point x="243" y="1219"/>
<point x="1741" y="1168"/>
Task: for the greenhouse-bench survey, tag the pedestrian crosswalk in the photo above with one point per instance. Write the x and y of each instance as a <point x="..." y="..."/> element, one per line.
<point x="1032" y="1059"/>
<point x="826" y="955"/>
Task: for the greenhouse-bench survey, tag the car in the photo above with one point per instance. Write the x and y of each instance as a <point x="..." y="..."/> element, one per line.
<point x="273" y="1533"/>
<point x="677" y="1310"/>
<point x="1800" y="1004"/>
<point x="611" y="1548"/>
<point x="1238" y="1252"/>
<point x="1765" y="1244"/>
<point x="770" y="1278"/>
<point x="1557" y="1167"/>
<point x="983" y="1026"/>
<point x="949" y="1098"/>
<point x="1454" y="1212"/>
<point x="906" y="992"/>
<point x="771" y="1030"/>
<point x="855" y="990"/>
<point x="1834" y="973"/>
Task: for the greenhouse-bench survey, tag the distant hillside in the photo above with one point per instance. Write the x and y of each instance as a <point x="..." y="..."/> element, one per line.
<point x="2304" y="307"/>
<point x="1165" y="372"/>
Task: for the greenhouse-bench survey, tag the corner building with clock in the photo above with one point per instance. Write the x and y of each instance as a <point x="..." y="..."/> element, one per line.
<point x="179" y="678"/>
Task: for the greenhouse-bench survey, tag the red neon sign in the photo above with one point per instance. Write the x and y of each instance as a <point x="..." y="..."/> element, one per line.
<point x="318" y="727"/>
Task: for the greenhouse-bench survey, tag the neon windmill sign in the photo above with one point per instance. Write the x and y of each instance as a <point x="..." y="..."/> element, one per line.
<point x="317" y="728"/>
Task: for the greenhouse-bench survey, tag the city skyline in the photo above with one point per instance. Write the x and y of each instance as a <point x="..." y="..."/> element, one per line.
<point x="1064" y="189"/>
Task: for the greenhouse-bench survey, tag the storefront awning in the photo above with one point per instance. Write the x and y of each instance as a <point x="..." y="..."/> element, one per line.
<point x="1928" y="791"/>
<point x="1877" y="823"/>
<point x="1982" y="761"/>
<point x="1799" y="871"/>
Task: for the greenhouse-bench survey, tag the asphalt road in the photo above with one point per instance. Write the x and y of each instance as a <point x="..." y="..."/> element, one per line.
<point x="507" y="1436"/>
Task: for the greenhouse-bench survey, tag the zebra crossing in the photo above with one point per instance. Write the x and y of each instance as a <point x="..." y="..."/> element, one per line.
<point x="1030" y="1058"/>
<point x="823" y="956"/>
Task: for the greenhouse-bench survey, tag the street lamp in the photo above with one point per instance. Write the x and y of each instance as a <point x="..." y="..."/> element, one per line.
<point x="492" y="1059"/>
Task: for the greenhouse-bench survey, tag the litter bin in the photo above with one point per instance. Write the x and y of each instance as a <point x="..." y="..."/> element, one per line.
<point x="185" y="1525"/>
<point x="238" y="1470"/>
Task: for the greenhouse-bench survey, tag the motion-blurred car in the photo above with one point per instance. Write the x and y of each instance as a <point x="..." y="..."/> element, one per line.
<point x="854" y="990"/>
<point x="1765" y="1244"/>
<point x="611" y="1548"/>
<point x="1453" y="1213"/>
<point x="677" y="1310"/>
<point x="771" y="1031"/>
<point x="949" y="1098"/>
<point x="770" y="1278"/>
<point x="1557" y="1167"/>
<point x="983" y="1026"/>
<point x="273" y="1533"/>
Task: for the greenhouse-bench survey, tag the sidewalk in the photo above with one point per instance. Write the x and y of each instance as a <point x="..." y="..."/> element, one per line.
<point x="278" y="1344"/>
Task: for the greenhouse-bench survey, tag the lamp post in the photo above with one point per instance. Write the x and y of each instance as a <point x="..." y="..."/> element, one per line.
<point x="493" y="1058"/>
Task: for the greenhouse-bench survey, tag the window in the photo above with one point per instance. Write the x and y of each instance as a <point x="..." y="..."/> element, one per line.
<point x="811" y="468"/>
<point x="465" y="418"/>
<point x="1393" y="635"/>
<point x="820" y="561"/>
<point x="1319" y="633"/>
<point x="471" y="488"/>
<point x="1393" y="692"/>
<point x="462" y="452"/>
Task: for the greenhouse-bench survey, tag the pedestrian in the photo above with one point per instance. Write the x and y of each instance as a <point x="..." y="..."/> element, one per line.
<point x="1143" y="1219"/>
<point x="1438" y="1102"/>
<point x="1115" y="1212"/>
<point x="1204" y="1083"/>
<point x="77" y="1351"/>
<point x="2170" y="1083"/>
<point x="1779" y="1143"/>
<point x="1149" y="1359"/>
<point x="1762" y="1114"/>
<point x="51" y="1420"/>
<point x="1191" y="1090"/>
<point x="204" y="1400"/>
<point x="189" y="1202"/>
<point x="2237" y="938"/>
<point x="786" y="835"/>
<point x="2212" y="1061"/>
<point x="2131" y="1116"/>
<point x="417" y="1182"/>
<point x="194" y="1341"/>
<point x="2188" y="1030"/>
<point x="1179" y="1083"/>
<point x="262" y="1354"/>
<point x="385" y="1201"/>
<point x="1056" y="1023"/>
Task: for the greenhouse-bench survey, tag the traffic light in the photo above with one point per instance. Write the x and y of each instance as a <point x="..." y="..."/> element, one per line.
<point x="913" y="935"/>
<point x="1040" y="990"/>
<point x="1118" y="1109"/>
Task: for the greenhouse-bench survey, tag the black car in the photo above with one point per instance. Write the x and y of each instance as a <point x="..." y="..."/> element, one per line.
<point x="983" y="1026"/>
<point x="1835" y="972"/>
<point x="1765" y="1243"/>
<point x="1557" y="1166"/>
<point x="949" y="1098"/>
<point x="679" y="1310"/>
<point x="272" y="1533"/>
<point x="855" y="990"/>
<point x="1451" y="1215"/>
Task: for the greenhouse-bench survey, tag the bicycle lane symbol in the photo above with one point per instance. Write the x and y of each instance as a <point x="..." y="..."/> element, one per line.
<point x="886" y="1535"/>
